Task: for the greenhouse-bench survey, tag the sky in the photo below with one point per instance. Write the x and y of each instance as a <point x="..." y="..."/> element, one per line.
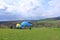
<point x="28" y="9"/>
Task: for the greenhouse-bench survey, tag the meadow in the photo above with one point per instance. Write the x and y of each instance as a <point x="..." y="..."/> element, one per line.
<point x="34" y="34"/>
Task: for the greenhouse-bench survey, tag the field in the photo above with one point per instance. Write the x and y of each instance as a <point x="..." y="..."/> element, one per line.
<point x="34" y="34"/>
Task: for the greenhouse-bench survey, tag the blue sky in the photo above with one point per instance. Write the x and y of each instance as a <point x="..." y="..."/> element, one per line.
<point x="28" y="9"/>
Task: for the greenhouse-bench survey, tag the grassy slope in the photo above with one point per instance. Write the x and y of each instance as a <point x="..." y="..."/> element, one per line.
<point x="51" y="21"/>
<point x="34" y="34"/>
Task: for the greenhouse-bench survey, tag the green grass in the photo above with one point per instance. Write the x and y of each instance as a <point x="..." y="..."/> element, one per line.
<point x="50" y="21"/>
<point x="34" y="34"/>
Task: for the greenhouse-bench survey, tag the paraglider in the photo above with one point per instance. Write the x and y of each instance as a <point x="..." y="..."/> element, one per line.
<point x="17" y="25"/>
<point x="24" y="25"/>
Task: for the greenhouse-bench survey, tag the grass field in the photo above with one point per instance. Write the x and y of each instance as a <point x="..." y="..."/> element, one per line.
<point x="34" y="34"/>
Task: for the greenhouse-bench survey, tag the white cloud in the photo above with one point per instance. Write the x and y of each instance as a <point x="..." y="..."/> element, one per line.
<point x="31" y="8"/>
<point x="2" y="5"/>
<point x="53" y="9"/>
<point x="22" y="5"/>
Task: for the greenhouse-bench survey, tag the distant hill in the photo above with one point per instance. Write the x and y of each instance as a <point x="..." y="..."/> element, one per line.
<point x="53" y="18"/>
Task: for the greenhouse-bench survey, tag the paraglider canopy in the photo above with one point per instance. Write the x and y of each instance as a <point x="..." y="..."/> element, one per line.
<point x="25" y="23"/>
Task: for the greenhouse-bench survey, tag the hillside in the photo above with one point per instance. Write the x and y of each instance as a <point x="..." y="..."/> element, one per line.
<point x="48" y="22"/>
<point x="53" y="18"/>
